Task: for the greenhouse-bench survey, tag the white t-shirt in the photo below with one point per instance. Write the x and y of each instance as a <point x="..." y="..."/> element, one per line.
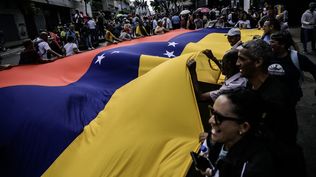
<point x="69" y="47"/>
<point x="91" y="24"/>
<point x="168" y="22"/>
<point x="125" y="36"/>
<point x="42" y="49"/>
<point x="155" y="24"/>
<point x="159" y="30"/>
<point x="243" y="24"/>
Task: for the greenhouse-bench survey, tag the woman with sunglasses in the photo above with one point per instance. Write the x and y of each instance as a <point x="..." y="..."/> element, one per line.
<point x="235" y="148"/>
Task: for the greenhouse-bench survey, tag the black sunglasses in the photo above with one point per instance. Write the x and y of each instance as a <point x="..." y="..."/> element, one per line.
<point x="220" y="118"/>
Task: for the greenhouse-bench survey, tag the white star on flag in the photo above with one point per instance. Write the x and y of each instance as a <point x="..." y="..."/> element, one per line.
<point x="100" y="58"/>
<point x="169" y="54"/>
<point x="116" y="51"/>
<point x="172" y="44"/>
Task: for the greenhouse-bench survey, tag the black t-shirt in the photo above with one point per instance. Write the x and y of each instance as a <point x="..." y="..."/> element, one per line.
<point x="285" y="69"/>
<point x="290" y="74"/>
<point x="280" y="112"/>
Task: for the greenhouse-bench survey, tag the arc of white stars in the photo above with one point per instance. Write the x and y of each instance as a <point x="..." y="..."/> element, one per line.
<point x="100" y="58"/>
<point x="172" y="44"/>
<point x="169" y="54"/>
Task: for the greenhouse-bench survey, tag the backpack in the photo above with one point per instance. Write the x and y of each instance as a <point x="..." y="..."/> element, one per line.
<point x="78" y="19"/>
<point x="36" y="43"/>
<point x="294" y="58"/>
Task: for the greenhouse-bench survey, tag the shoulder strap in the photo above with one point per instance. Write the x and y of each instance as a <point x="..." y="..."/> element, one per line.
<point x="294" y="58"/>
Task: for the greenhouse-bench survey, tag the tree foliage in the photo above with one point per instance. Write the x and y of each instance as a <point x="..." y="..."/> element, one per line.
<point x="141" y="5"/>
<point x="166" y="6"/>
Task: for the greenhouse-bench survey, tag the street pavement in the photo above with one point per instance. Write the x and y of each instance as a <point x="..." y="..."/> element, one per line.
<point x="11" y="56"/>
<point x="306" y="113"/>
<point x="306" y="108"/>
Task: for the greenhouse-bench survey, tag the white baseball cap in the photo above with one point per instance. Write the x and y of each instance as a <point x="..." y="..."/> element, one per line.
<point x="233" y="32"/>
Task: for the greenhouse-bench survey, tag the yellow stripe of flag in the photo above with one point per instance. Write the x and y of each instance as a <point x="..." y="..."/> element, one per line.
<point x="147" y="129"/>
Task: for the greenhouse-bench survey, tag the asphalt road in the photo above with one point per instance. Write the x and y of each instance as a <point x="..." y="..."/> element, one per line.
<point x="306" y="111"/>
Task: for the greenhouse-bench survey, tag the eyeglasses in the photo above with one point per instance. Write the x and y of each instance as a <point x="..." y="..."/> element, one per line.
<point x="220" y="118"/>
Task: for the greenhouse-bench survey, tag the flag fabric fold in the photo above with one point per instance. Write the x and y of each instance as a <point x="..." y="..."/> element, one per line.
<point x="137" y="134"/>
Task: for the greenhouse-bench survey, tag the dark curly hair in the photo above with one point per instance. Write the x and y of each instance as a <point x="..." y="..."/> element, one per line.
<point x="283" y="37"/>
<point x="247" y="105"/>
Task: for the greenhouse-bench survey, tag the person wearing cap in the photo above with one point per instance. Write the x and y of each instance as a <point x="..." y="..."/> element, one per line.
<point x="44" y="48"/>
<point x="233" y="37"/>
<point x="308" y="21"/>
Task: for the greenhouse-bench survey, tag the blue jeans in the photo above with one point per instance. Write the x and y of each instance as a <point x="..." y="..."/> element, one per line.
<point x="88" y="41"/>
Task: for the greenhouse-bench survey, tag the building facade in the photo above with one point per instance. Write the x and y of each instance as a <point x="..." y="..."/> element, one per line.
<point x="121" y="5"/>
<point x="21" y="19"/>
<point x="108" y="5"/>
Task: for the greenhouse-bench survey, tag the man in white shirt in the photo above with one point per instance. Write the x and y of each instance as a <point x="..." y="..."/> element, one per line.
<point x="167" y="23"/>
<point x="308" y="21"/>
<point x="92" y="27"/>
<point x="233" y="37"/>
<point x="43" y="47"/>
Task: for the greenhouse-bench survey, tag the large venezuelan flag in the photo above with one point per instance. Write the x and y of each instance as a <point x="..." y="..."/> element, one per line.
<point x="122" y="110"/>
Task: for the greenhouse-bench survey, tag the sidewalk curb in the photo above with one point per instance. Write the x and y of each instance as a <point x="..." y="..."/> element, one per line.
<point x="11" y="51"/>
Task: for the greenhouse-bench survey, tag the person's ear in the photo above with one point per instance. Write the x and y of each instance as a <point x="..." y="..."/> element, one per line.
<point x="258" y="62"/>
<point x="244" y="127"/>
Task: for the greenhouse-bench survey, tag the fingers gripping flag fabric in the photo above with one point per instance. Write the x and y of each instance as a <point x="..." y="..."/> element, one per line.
<point x="108" y="115"/>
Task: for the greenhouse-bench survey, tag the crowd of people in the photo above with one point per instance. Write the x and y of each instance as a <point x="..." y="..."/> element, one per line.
<point x="85" y="33"/>
<point x="253" y="125"/>
<point x="253" y="114"/>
